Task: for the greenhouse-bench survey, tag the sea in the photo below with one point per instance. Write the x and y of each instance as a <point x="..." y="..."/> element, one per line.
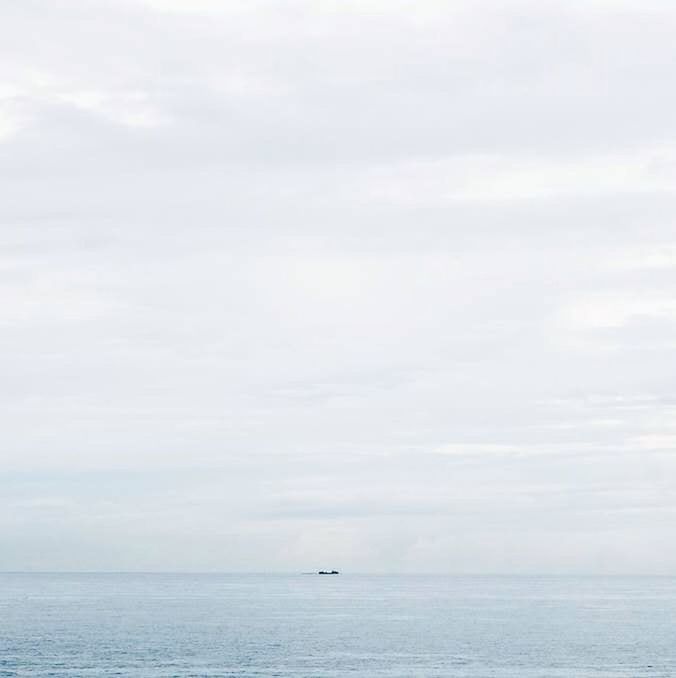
<point x="315" y="626"/>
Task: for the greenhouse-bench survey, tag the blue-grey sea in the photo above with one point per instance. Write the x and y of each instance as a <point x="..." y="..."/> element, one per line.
<point x="346" y="625"/>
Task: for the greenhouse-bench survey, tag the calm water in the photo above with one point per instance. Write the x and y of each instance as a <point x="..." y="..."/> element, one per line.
<point x="349" y="625"/>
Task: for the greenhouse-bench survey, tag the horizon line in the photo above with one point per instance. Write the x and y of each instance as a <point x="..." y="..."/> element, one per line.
<point x="382" y="573"/>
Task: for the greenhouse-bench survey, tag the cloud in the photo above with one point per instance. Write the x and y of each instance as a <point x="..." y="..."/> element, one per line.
<point x="387" y="281"/>
<point x="615" y="310"/>
<point x="131" y="109"/>
<point x="9" y="124"/>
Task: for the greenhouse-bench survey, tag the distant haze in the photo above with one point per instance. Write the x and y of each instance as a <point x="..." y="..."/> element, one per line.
<point x="365" y="284"/>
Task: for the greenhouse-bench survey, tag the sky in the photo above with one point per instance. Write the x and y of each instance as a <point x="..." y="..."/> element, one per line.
<point x="385" y="286"/>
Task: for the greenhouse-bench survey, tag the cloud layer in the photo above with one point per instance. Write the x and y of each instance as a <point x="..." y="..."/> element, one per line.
<point x="373" y="285"/>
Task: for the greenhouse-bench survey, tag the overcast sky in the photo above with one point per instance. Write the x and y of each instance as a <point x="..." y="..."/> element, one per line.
<point x="379" y="285"/>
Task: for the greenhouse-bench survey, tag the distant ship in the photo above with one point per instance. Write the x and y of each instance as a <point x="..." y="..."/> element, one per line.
<point x="328" y="572"/>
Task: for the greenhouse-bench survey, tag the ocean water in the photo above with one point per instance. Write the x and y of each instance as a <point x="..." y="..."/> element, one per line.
<point x="348" y="625"/>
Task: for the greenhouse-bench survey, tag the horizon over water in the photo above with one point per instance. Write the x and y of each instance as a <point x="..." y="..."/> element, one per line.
<point x="228" y="624"/>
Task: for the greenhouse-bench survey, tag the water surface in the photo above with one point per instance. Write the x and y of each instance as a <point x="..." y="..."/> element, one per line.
<point x="155" y="625"/>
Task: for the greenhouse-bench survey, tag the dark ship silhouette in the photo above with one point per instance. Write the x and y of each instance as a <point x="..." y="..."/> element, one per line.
<point x="328" y="572"/>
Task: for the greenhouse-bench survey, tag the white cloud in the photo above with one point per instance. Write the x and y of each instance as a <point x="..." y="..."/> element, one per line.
<point x="662" y="256"/>
<point x="614" y="310"/>
<point x="484" y="178"/>
<point x="341" y="277"/>
<point x="9" y="124"/>
<point x="656" y="442"/>
<point x="133" y="109"/>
